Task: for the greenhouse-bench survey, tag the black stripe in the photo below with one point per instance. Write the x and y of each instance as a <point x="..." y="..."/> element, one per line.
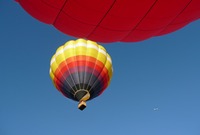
<point x="87" y="84"/>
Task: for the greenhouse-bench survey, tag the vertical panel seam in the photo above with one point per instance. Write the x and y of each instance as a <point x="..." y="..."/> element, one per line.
<point x="111" y="6"/>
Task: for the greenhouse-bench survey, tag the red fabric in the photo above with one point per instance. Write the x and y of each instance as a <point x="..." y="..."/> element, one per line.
<point x="114" y="20"/>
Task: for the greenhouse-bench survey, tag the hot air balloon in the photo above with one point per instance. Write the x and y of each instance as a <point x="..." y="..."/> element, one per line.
<point x="81" y="70"/>
<point x="114" y="20"/>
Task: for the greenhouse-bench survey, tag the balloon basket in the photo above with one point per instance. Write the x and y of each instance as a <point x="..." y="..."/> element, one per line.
<point x="82" y="105"/>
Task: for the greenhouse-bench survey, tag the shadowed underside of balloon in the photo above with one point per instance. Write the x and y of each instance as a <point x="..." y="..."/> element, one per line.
<point x="114" y="20"/>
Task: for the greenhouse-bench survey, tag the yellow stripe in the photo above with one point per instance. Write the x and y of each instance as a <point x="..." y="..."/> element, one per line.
<point x="52" y="77"/>
<point x="81" y="47"/>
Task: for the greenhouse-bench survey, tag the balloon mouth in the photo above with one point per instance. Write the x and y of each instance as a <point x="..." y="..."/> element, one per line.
<point x="82" y="95"/>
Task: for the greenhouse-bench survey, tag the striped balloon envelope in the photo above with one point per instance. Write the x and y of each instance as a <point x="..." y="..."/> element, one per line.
<point x="81" y="70"/>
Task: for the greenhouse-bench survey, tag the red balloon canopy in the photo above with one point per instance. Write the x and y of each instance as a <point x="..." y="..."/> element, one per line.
<point x="114" y="20"/>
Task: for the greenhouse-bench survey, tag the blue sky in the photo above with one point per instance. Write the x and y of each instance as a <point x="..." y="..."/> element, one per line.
<point x="162" y="72"/>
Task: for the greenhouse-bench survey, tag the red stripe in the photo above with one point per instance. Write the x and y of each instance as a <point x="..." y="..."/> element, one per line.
<point x="83" y="64"/>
